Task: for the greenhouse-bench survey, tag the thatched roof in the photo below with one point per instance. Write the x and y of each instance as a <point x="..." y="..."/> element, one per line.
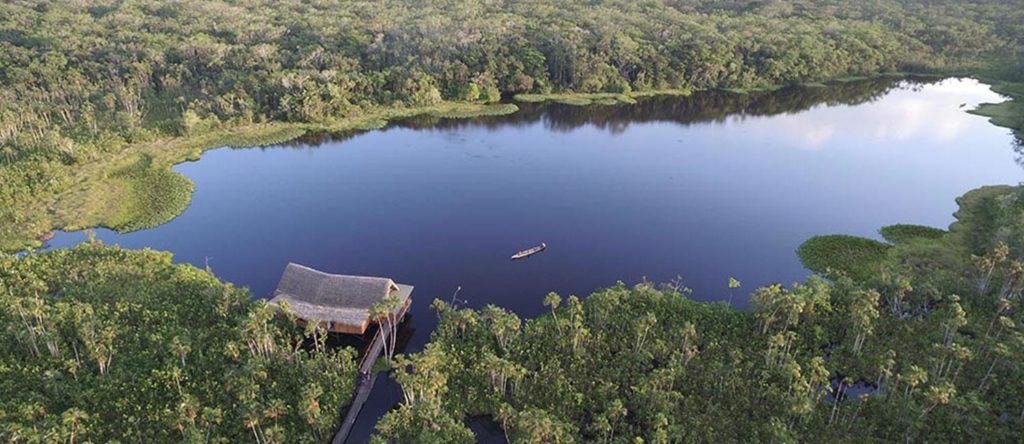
<point x="341" y="301"/>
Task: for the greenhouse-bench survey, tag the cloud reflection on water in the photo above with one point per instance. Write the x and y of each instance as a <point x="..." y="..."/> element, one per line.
<point x="903" y="117"/>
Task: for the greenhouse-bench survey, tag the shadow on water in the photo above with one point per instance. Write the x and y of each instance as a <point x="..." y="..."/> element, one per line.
<point x="487" y="431"/>
<point x="386" y="393"/>
<point x="1018" y="149"/>
<point x="699" y="107"/>
<point x="844" y="390"/>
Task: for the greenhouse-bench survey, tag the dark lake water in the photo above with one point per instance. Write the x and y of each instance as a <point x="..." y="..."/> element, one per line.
<point x="708" y="187"/>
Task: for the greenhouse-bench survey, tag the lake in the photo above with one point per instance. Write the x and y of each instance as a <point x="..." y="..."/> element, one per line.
<point x="705" y="188"/>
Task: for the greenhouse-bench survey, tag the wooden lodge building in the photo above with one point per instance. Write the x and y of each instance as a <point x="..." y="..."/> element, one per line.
<point x="341" y="303"/>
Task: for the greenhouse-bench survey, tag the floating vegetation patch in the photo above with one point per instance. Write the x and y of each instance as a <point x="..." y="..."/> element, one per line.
<point x="853" y="256"/>
<point x="469" y="111"/>
<point x="901" y="233"/>
<point x="584" y="99"/>
<point x="1009" y="114"/>
<point x="152" y="195"/>
<point x="272" y="135"/>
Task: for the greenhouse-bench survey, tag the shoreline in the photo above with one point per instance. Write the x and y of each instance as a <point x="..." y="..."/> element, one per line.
<point x="106" y="192"/>
<point x="137" y="189"/>
<point x="587" y="99"/>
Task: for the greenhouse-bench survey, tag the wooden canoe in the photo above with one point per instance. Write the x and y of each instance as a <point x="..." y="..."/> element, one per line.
<point x="529" y="252"/>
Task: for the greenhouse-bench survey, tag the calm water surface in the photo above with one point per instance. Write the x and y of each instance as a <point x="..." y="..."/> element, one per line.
<point x="708" y="187"/>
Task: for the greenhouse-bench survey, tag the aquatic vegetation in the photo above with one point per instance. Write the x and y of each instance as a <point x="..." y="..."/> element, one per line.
<point x="578" y="99"/>
<point x="465" y="112"/>
<point x="852" y="256"/>
<point x="1009" y="114"/>
<point x="149" y="196"/>
<point x="607" y="99"/>
<point x="900" y="233"/>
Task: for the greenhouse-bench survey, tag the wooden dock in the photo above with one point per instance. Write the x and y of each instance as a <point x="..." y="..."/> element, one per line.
<point x="365" y="379"/>
<point x="364" y="385"/>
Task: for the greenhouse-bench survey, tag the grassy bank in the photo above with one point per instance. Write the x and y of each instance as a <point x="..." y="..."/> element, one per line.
<point x="135" y="187"/>
<point x="901" y="233"/>
<point x="1009" y="114"/>
<point x="852" y="256"/>
<point x="584" y="99"/>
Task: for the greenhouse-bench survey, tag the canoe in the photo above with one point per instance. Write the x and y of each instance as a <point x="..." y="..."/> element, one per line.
<point x="529" y="252"/>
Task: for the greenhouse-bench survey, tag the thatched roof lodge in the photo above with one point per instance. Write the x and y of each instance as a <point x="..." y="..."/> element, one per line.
<point x="342" y="303"/>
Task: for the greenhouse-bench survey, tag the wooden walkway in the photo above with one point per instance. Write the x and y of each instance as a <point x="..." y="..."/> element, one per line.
<point x="364" y="383"/>
<point x="363" y="387"/>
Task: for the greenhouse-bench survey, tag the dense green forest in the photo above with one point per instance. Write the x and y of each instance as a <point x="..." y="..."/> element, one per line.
<point x="102" y="344"/>
<point x="926" y="347"/>
<point x="100" y="96"/>
<point x="918" y="338"/>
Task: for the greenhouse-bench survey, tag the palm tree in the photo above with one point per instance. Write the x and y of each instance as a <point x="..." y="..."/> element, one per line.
<point x="733" y="284"/>
<point x="386" y="311"/>
<point x="71" y="420"/>
<point x="553" y="300"/>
